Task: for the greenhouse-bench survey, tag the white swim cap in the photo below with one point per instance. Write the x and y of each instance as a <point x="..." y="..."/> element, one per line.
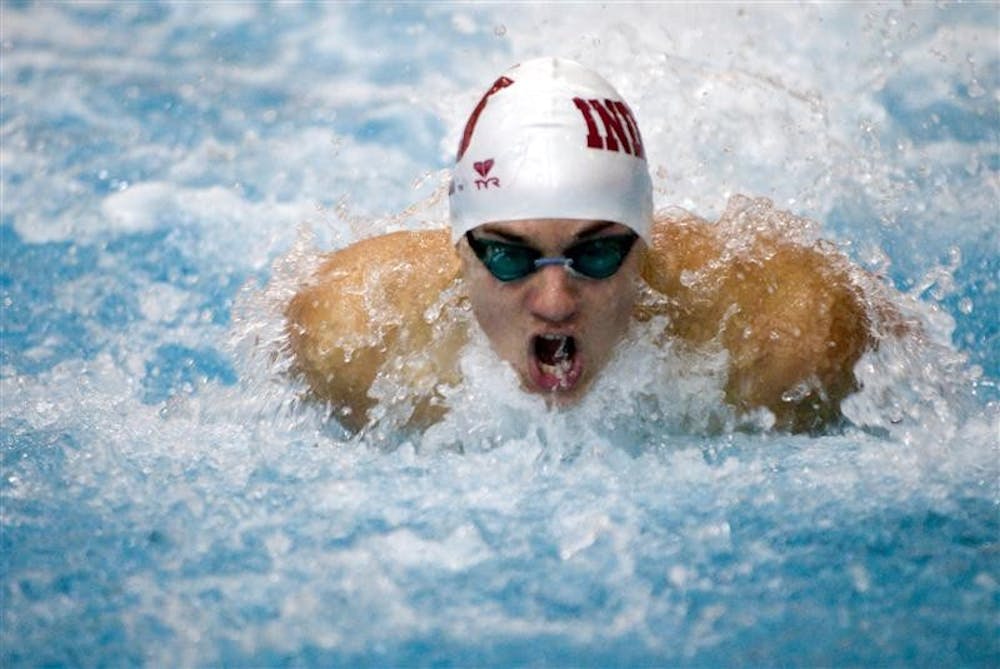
<point x="551" y="139"/>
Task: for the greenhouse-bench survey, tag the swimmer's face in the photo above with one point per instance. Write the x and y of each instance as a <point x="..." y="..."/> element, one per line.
<point x="556" y="328"/>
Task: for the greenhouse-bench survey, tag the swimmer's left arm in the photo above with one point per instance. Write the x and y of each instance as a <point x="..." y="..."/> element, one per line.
<point x="795" y="327"/>
<point x="791" y="317"/>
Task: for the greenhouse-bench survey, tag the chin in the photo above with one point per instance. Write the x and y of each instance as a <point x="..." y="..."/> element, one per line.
<point x="566" y="399"/>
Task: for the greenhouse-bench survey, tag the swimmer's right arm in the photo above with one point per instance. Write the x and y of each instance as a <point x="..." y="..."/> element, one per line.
<point x="367" y="304"/>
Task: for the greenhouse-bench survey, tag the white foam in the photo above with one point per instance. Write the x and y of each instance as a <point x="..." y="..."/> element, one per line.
<point x="237" y="519"/>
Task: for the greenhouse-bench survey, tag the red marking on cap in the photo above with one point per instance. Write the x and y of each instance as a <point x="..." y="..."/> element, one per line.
<point x="470" y="125"/>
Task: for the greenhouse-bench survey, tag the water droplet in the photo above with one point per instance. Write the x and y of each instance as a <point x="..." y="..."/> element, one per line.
<point x="965" y="305"/>
<point x="500" y="30"/>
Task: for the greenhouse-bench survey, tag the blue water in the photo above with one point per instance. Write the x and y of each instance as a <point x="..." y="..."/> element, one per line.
<point x="171" y="171"/>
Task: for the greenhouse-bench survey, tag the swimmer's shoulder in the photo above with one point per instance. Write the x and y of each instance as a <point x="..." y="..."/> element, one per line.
<point x="366" y="303"/>
<point x="380" y="280"/>
<point x="679" y="242"/>
<point x="789" y="313"/>
<point x="404" y="250"/>
<point x="388" y="270"/>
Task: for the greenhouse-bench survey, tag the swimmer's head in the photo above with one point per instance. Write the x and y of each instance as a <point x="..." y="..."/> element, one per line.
<point x="551" y="139"/>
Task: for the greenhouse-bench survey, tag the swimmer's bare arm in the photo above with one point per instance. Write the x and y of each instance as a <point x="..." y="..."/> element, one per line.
<point x="791" y="318"/>
<point x="367" y="305"/>
<point x="789" y="315"/>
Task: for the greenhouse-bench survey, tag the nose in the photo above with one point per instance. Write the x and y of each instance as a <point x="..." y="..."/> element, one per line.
<point x="553" y="295"/>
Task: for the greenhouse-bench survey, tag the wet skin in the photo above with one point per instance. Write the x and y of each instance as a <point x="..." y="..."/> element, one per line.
<point x="556" y="328"/>
<point x="791" y="317"/>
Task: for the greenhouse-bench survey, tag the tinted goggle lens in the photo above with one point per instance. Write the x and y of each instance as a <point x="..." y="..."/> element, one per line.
<point x="596" y="258"/>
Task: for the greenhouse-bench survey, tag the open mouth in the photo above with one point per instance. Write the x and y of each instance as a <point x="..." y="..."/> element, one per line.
<point x="557" y="365"/>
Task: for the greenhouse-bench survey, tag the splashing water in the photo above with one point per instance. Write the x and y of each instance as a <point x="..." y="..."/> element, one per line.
<point x="171" y="172"/>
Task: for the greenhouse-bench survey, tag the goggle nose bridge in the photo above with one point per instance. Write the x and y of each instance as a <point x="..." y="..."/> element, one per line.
<point x="557" y="260"/>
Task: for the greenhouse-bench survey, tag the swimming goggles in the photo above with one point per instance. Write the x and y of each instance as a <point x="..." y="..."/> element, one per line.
<point x="596" y="258"/>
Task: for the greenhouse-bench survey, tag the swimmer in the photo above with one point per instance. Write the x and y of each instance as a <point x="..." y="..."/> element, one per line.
<point x="554" y="245"/>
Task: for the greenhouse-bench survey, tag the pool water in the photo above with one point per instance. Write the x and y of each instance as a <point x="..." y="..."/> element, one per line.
<point x="170" y="171"/>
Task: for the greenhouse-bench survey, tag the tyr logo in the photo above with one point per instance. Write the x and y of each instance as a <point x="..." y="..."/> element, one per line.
<point x="621" y="133"/>
<point x="483" y="167"/>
